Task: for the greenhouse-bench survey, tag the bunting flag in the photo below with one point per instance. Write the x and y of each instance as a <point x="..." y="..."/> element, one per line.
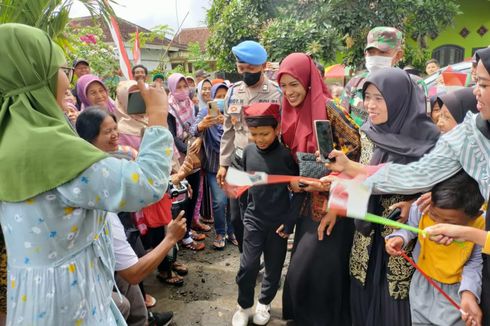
<point x="136" y="48"/>
<point x="123" y="56"/>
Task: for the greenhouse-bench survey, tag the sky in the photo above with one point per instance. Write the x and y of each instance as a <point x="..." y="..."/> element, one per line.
<point x="150" y="13"/>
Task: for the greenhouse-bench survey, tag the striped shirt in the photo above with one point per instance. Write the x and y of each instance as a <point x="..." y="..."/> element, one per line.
<point x="464" y="147"/>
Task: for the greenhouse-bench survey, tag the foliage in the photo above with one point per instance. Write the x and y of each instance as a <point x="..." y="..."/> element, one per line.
<point x="48" y="15"/>
<point x="157" y="32"/>
<point x="231" y="22"/>
<point x="420" y="18"/>
<point x="198" y="58"/>
<point x="87" y="43"/>
<point x="283" y="36"/>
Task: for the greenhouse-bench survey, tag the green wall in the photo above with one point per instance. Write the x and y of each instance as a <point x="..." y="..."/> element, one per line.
<point x="475" y="13"/>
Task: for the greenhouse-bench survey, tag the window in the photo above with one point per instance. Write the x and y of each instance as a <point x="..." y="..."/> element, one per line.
<point x="448" y="54"/>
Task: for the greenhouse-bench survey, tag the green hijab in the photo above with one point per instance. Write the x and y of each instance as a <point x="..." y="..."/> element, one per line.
<point x="38" y="150"/>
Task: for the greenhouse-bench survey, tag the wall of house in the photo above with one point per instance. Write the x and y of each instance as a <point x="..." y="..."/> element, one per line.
<point x="475" y="13"/>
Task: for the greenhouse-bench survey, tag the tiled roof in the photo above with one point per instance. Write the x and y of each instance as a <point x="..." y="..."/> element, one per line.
<point x="125" y="28"/>
<point x="195" y="34"/>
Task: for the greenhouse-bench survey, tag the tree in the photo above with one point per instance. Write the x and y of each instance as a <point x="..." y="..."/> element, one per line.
<point x="198" y="58"/>
<point x="48" y="15"/>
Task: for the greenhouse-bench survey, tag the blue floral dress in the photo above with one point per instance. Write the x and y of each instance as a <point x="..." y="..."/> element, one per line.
<point x="60" y="257"/>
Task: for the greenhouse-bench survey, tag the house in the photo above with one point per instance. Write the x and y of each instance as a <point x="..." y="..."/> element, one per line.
<point x="192" y="35"/>
<point x="169" y="51"/>
<point x="469" y="32"/>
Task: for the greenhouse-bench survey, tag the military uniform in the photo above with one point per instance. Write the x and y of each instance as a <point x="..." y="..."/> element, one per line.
<point x="235" y="134"/>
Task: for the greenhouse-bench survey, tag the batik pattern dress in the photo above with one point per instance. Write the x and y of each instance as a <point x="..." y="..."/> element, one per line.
<point x="60" y="257"/>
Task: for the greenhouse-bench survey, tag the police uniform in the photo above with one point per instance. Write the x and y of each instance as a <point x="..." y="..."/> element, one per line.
<point x="235" y="131"/>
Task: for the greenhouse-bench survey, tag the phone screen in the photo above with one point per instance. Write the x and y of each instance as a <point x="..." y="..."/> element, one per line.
<point x="324" y="138"/>
<point x="213" y="109"/>
<point x="136" y="104"/>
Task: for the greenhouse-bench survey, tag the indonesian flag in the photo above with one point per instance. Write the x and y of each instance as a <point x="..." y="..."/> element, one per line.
<point x="123" y="56"/>
<point x="136" y="49"/>
<point x="349" y="198"/>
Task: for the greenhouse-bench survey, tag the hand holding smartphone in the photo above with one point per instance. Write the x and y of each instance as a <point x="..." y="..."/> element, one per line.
<point x="213" y="109"/>
<point x="324" y="139"/>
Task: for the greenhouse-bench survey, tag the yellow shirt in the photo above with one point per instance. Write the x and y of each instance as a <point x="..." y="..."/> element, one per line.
<point x="486" y="248"/>
<point x="445" y="263"/>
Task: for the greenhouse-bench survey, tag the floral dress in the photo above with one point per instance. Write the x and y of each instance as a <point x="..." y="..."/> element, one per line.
<point x="60" y="257"/>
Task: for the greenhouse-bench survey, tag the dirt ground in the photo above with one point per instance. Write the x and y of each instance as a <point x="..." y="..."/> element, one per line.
<point x="208" y="296"/>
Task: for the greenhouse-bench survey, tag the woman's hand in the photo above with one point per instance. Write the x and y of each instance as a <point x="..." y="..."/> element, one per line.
<point x="313" y="186"/>
<point x="329" y="221"/>
<point x="404" y="206"/>
<point x="220" y="119"/>
<point x="195" y="146"/>
<point x="446" y="233"/>
<point x="424" y="202"/>
<point x="341" y="163"/>
<point x="207" y="122"/>
<point x="394" y="246"/>
<point x="156" y="102"/>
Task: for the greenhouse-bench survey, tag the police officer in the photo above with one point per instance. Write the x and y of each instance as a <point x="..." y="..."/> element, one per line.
<point x="255" y="87"/>
<point x="384" y="49"/>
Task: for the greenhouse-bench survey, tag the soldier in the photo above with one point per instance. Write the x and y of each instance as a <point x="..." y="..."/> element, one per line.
<point x="384" y="49"/>
<point x="255" y="87"/>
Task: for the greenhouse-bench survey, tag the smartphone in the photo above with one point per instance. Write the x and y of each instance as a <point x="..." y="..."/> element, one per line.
<point x="213" y="109"/>
<point x="136" y="104"/>
<point x="394" y="214"/>
<point x="324" y="139"/>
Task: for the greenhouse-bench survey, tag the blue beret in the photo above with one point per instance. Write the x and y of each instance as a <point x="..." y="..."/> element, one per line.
<point x="250" y="52"/>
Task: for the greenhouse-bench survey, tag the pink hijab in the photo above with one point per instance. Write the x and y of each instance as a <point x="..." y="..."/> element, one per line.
<point x="82" y="86"/>
<point x="182" y="110"/>
<point x="297" y="122"/>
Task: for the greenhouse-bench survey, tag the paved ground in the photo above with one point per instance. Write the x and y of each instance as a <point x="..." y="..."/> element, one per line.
<point x="208" y="296"/>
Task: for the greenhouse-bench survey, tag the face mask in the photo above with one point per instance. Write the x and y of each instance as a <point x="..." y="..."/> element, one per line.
<point x="377" y="62"/>
<point x="181" y="95"/>
<point x="251" y="78"/>
<point x="221" y="104"/>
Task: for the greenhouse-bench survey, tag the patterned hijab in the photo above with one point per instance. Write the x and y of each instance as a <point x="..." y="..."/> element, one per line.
<point x="297" y="122"/>
<point x="38" y="149"/>
<point x="182" y="110"/>
<point x="409" y="133"/>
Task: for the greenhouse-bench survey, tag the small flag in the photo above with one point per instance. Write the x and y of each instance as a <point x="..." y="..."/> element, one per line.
<point x="349" y="198"/>
<point x="136" y="48"/>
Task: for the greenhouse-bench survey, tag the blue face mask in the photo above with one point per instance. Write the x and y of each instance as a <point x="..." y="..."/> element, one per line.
<point x="221" y="104"/>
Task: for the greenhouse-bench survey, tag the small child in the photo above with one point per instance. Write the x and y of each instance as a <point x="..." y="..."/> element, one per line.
<point x="269" y="215"/>
<point x="456" y="267"/>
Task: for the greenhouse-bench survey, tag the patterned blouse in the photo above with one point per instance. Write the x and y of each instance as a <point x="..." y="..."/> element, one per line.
<point x="60" y="257"/>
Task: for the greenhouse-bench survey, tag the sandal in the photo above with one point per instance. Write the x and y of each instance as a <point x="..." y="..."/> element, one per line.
<point x="232" y="239"/>
<point x="171" y="279"/>
<point x="219" y="242"/>
<point x="194" y="246"/>
<point x="150" y="301"/>
<point x="198" y="226"/>
<point x="180" y="269"/>
<point x="198" y="236"/>
<point x="209" y="220"/>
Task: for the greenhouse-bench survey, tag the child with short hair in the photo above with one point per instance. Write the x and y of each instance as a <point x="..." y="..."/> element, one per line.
<point x="269" y="215"/>
<point x="456" y="267"/>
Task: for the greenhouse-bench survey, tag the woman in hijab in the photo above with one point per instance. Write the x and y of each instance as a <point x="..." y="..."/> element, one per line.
<point x="211" y="129"/>
<point x="454" y="106"/>
<point x="316" y="290"/>
<point x="91" y="91"/>
<point x="54" y="198"/>
<point x="180" y="120"/>
<point x="130" y="125"/>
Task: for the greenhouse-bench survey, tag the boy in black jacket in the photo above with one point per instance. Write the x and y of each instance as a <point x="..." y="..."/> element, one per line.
<point x="269" y="216"/>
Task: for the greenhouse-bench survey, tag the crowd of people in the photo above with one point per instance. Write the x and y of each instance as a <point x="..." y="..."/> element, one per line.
<point x="88" y="212"/>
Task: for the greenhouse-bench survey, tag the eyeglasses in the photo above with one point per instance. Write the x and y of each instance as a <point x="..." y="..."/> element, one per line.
<point x="69" y="72"/>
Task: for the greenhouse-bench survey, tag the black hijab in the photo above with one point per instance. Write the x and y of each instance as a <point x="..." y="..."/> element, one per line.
<point x="483" y="55"/>
<point x="459" y="103"/>
<point x="409" y="133"/>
